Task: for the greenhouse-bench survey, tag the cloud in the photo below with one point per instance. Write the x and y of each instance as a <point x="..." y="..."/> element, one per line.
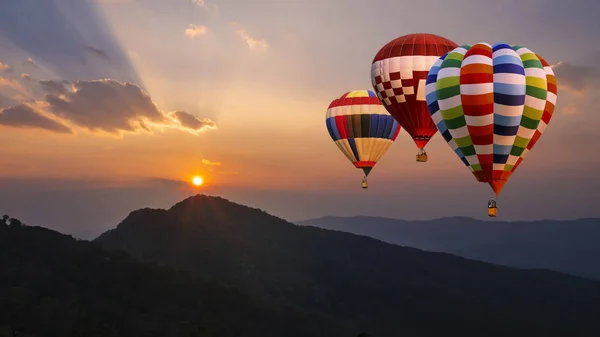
<point x="26" y="77"/>
<point x="193" y="31"/>
<point x="6" y="101"/>
<point x="253" y="44"/>
<point x="199" y="3"/>
<point x="167" y="182"/>
<point x="11" y="83"/>
<point x="24" y="116"/>
<point x="211" y="163"/>
<point x="5" y="67"/>
<point x="55" y="35"/>
<point x="113" y="107"/>
<point x="98" y="52"/>
<point x="578" y="87"/>
<point x="191" y="123"/>
<point x="54" y="87"/>
<point x="574" y="77"/>
<point x="32" y="62"/>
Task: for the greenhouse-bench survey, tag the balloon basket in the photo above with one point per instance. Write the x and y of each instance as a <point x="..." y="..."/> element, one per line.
<point x="492" y="209"/>
<point x="422" y="158"/>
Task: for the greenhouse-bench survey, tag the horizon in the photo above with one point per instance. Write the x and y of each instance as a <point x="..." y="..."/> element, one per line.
<point x="93" y="233"/>
<point x="203" y="93"/>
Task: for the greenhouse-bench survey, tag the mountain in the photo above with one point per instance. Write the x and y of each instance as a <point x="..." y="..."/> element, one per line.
<point x="52" y="285"/>
<point x="566" y="246"/>
<point x="384" y="289"/>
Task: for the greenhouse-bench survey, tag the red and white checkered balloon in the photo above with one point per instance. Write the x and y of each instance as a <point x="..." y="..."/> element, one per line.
<point x="398" y="75"/>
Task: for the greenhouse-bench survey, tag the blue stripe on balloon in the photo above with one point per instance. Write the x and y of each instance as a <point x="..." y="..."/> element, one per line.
<point x="373" y="126"/>
<point x="353" y="147"/>
<point x="462" y="158"/>
<point x="509" y="68"/>
<point x="507" y="59"/>
<point x="500" y="158"/>
<point x="509" y="100"/>
<point x="388" y="126"/>
<point x="509" y="88"/>
<point x="447" y="135"/>
<point x="507" y="120"/>
<point x="498" y="46"/>
<point x="502" y="149"/>
<point x="331" y="134"/>
<point x="334" y="128"/>
<point x="433" y="107"/>
<point x="502" y="130"/>
<point x="380" y="126"/>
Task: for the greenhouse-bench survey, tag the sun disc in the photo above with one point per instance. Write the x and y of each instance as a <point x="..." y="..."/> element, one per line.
<point x="197" y="180"/>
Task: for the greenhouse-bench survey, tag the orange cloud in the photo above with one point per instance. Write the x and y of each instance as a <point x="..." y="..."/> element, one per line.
<point x="14" y="84"/>
<point x="253" y="44"/>
<point x="32" y="62"/>
<point x="5" y="67"/>
<point x="193" y="31"/>
<point x="211" y="163"/>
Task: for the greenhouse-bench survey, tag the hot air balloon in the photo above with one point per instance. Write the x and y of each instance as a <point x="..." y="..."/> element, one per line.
<point x="548" y="110"/>
<point x="361" y="128"/>
<point x="487" y="101"/>
<point x="398" y="75"/>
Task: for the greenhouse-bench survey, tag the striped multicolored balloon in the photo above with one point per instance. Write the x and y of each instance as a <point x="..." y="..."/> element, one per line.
<point x="548" y="110"/>
<point x="487" y="101"/>
<point x="361" y="128"/>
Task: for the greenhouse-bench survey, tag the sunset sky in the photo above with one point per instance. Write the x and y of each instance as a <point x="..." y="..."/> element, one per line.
<point x="236" y="91"/>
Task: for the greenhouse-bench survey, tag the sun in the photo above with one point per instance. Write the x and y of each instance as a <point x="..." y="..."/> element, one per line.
<point x="198" y="181"/>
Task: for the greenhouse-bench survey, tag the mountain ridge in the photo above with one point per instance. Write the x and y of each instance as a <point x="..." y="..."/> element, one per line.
<point x="568" y="246"/>
<point x="353" y="277"/>
<point x="53" y="285"/>
<point x="458" y="217"/>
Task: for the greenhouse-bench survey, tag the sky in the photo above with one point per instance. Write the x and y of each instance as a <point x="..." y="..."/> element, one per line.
<point x="108" y="106"/>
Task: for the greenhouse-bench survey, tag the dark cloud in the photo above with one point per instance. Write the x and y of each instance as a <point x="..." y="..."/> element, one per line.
<point x="24" y="116"/>
<point x="191" y="122"/>
<point x="97" y="52"/>
<point x="166" y="182"/>
<point x="56" y="88"/>
<point x="105" y="105"/>
<point x="56" y="33"/>
<point x="575" y="77"/>
<point x="113" y="107"/>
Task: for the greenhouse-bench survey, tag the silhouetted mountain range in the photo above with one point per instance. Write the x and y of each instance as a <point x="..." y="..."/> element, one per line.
<point x="384" y="289"/>
<point x="209" y="267"/>
<point x="52" y="285"/>
<point x="566" y="246"/>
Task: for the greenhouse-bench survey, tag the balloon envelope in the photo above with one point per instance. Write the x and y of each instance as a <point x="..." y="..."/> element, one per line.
<point x="487" y="101"/>
<point x="361" y="127"/>
<point x="398" y="75"/>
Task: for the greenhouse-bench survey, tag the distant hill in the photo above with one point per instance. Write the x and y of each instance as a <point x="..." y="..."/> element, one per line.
<point x="383" y="289"/>
<point x="52" y="285"/>
<point x="566" y="246"/>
